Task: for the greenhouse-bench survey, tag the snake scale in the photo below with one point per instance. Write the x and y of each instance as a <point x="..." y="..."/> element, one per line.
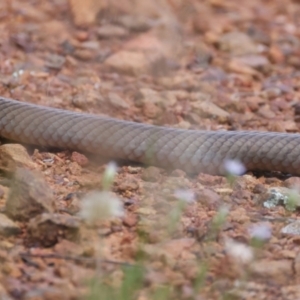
<point x="193" y="151"/>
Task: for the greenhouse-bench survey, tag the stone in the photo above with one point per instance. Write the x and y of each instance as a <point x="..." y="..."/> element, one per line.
<point x="253" y="60"/>
<point x="208" y="109"/>
<point x="7" y="226"/>
<point x="84" y="12"/>
<point x="280" y="195"/>
<point x="13" y="156"/>
<point x="133" y="62"/>
<point x="111" y="31"/>
<point x="29" y="196"/>
<point x="237" y="43"/>
<point x="151" y="174"/>
<point x="47" y="229"/>
<point x="117" y="102"/>
<point x="291" y="229"/>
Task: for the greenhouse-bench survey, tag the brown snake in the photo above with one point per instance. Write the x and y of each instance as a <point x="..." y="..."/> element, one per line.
<point x="190" y="150"/>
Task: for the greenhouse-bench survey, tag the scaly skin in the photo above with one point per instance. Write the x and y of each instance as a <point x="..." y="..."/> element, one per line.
<point x="190" y="150"/>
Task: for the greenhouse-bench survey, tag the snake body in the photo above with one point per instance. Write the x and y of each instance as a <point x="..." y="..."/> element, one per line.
<point x="190" y="150"/>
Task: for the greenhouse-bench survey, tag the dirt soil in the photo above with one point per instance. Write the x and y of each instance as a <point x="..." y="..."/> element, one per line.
<point x="211" y="64"/>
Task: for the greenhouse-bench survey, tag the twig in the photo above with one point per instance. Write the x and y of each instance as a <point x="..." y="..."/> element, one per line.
<point x="76" y="258"/>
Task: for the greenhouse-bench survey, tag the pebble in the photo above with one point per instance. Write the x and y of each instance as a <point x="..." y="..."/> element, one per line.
<point x="7" y="226"/>
<point x="29" y="196"/>
<point x="237" y="43"/>
<point x="47" y="229"/>
<point x="281" y="195"/>
<point x="207" y="109"/>
<point x="291" y="229"/>
<point x="117" y="102"/>
<point x="111" y="31"/>
<point x="132" y="62"/>
<point x="13" y="156"/>
<point x="151" y="174"/>
<point x="253" y="60"/>
<point x="80" y="159"/>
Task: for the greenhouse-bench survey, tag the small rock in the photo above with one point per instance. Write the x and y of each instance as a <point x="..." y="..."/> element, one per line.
<point x="55" y="61"/>
<point x="130" y="221"/>
<point x="272" y="268"/>
<point x="237" y="43"/>
<point x="290" y="126"/>
<point x="281" y="195"/>
<point x="133" y="169"/>
<point x="135" y="22"/>
<point x="207" y="109"/>
<point x="146" y="95"/>
<point x="85" y="12"/>
<point x="29" y="196"/>
<point x="175" y="247"/>
<point x="291" y="229"/>
<point x="276" y="55"/>
<point x="271" y="92"/>
<point x="111" y="31"/>
<point x="239" y="215"/>
<point x="13" y="156"/>
<point x="151" y="174"/>
<point x="277" y="126"/>
<point x="259" y="189"/>
<point x="292" y="183"/>
<point x="266" y="112"/>
<point x="74" y="168"/>
<point x="79" y="158"/>
<point x="210" y="180"/>
<point x="2" y="192"/>
<point x="48" y="229"/>
<point x="202" y="57"/>
<point x="209" y="198"/>
<point x="239" y="67"/>
<point x="213" y="74"/>
<point x="178" y="173"/>
<point x="51" y="292"/>
<point x="73" y="202"/>
<point x="162" y="99"/>
<point x="151" y="110"/>
<point x="87" y="99"/>
<point x="244" y="182"/>
<point x="201" y="25"/>
<point x="7" y="226"/>
<point x="3" y="293"/>
<point x="132" y="62"/>
<point x="290" y="254"/>
<point x="128" y="184"/>
<point x="32" y="13"/>
<point x="253" y="61"/>
<point x="259" y="36"/>
<point x="82" y="35"/>
<point x="297" y="264"/>
<point x="85" y="54"/>
<point x="90" y="181"/>
<point x="117" y="102"/>
<point x="254" y="102"/>
<point x="200" y="97"/>
<point x="146" y="211"/>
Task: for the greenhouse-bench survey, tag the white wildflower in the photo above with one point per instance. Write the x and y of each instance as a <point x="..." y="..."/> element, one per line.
<point x="100" y="206"/>
<point x="187" y="196"/>
<point x="223" y="211"/>
<point x="238" y="251"/>
<point x="220" y="217"/>
<point x="234" y="167"/>
<point x="261" y="231"/>
<point x="109" y="175"/>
